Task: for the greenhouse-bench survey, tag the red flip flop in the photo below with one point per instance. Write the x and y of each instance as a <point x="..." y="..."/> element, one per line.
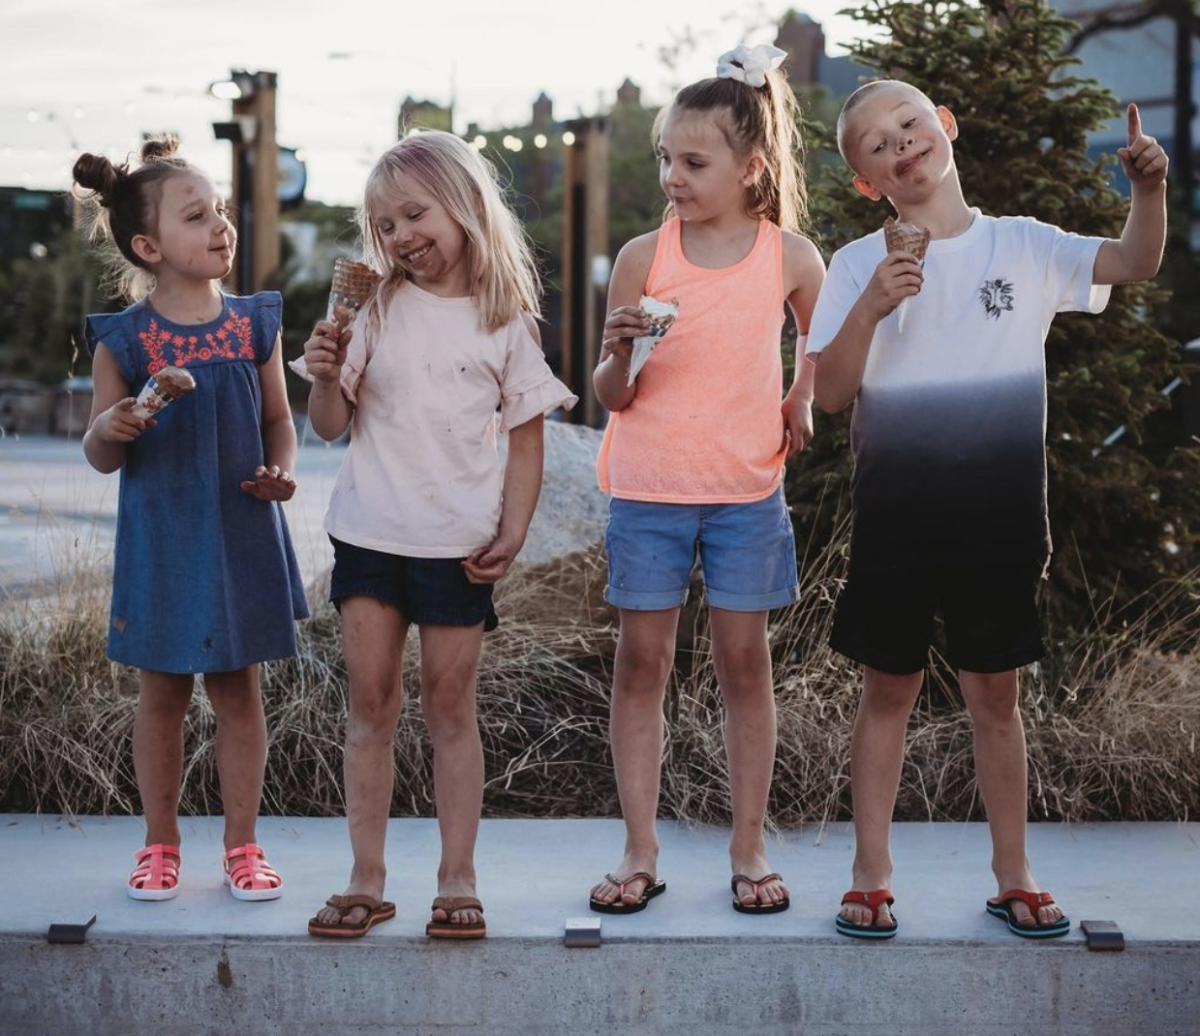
<point x="872" y="901"/>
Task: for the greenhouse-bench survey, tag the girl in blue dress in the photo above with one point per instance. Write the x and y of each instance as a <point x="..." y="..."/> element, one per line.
<point x="205" y="580"/>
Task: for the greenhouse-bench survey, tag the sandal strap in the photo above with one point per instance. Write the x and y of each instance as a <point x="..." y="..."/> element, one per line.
<point x="452" y="903"/>
<point x="156" y="866"/>
<point x="635" y="876"/>
<point x="347" y="903"/>
<point x="873" y="899"/>
<point x="746" y="880"/>
<point x="1034" y="900"/>
<point x="248" y="868"/>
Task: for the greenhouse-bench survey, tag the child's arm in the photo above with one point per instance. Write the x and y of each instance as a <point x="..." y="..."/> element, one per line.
<point x="273" y="480"/>
<point x="804" y="271"/>
<point x="839" y="368"/>
<point x="1137" y="255"/>
<point x="522" y="487"/>
<point x="625" y="322"/>
<point x="329" y="411"/>
<point x="111" y="425"/>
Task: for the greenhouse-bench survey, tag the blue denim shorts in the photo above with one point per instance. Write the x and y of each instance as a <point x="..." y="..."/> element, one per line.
<point x="432" y="591"/>
<point x="747" y="554"/>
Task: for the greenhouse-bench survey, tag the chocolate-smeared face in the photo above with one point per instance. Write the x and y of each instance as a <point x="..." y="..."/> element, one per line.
<point x="899" y="144"/>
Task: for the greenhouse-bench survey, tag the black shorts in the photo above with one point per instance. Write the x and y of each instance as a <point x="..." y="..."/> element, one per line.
<point x="432" y="591"/>
<point x="885" y="617"/>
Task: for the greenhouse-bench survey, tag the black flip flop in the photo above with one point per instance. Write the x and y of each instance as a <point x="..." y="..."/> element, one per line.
<point x="617" y="906"/>
<point x="758" y="908"/>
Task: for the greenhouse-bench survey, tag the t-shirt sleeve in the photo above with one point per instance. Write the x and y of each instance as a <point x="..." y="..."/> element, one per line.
<point x="529" y="388"/>
<point x="1070" y="262"/>
<point x="106" y="329"/>
<point x="838" y="294"/>
<point x="268" y="314"/>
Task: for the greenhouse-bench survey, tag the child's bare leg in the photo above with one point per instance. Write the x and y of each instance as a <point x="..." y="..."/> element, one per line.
<point x="1001" y="764"/>
<point x="876" y="758"/>
<point x="645" y="654"/>
<point x="449" y="666"/>
<point x="742" y="658"/>
<point x="241" y="749"/>
<point x="373" y="636"/>
<point x="163" y="700"/>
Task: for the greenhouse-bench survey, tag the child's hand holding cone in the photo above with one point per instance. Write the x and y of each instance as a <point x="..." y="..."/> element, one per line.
<point x="907" y="239"/>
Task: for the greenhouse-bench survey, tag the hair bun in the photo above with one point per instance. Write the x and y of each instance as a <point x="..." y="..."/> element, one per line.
<point x="156" y="149"/>
<point x="97" y="174"/>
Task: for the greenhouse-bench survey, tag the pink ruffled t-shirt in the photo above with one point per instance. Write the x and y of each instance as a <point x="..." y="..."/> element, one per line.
<point x="706" y="425"/>
<point x="422" y="474"/>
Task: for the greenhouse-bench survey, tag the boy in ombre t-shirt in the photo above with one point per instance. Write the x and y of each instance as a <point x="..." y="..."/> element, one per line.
<point x="949" y="487"/>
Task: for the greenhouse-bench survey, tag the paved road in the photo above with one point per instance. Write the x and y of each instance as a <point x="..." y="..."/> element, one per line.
<point x="56" y="511"/>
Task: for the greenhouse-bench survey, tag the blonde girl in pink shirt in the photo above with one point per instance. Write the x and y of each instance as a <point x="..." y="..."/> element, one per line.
<point x="694" y="450"/>
<point x="423" y="519"/>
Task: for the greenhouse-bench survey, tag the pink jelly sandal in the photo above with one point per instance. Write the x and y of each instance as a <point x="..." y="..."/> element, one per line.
<point x="156" y="875"/>
<point x="249" y="876"/>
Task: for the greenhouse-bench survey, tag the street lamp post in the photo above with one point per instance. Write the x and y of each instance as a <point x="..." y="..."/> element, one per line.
<point x="255" y="174"/>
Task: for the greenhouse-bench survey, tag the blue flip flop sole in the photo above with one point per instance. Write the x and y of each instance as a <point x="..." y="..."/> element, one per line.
<point x="860" y="931"/>
<point x="1049" y="931"/>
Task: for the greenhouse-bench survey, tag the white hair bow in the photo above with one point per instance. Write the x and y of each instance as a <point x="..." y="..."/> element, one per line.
<point x="749" y="64"/>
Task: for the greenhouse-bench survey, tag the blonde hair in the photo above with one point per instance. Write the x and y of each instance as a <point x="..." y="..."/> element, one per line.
<point x="121" y="203"/>
<point x="755" y="120"/>
<point x="503" y="275"/>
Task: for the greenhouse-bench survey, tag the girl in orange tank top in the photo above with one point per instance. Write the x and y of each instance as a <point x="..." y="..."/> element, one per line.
<point x="696" y="441"/>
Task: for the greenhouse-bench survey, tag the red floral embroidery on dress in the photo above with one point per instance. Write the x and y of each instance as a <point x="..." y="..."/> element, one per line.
<point x="233" y="340"/>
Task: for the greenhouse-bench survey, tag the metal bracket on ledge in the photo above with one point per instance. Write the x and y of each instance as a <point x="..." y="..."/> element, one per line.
<point x="582" y="931"/>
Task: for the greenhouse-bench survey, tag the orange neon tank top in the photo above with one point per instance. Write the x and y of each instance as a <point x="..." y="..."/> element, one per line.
<point x="706" y="424"/>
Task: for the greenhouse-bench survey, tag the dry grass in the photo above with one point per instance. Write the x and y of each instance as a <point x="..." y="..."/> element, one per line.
<point x="1111" y="722"/>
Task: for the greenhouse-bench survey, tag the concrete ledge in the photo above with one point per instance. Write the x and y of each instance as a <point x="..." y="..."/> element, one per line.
<point x="203" y="963"/>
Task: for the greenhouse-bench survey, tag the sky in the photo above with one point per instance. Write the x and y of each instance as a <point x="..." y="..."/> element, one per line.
<point x="85" y="77"/>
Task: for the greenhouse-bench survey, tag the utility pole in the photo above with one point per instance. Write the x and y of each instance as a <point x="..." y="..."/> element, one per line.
<point x="586" y="261"/>
<point x="255" y="175"/>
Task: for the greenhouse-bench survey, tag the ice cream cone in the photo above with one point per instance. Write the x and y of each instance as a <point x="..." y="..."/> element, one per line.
<point x="901" y="236"/>
<point x="906" y="237"/>
<point x="164" y="387"/>
<point x="353" y="285"/>
<point x="661" y="315"/>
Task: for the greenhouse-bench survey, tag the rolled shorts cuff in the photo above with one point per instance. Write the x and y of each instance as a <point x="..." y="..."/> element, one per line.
<point x="638" y="601"/>
<point x="752" y="602"/>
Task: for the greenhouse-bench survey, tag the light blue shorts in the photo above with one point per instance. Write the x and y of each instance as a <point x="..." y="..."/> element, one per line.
<point x="747" y="554"/>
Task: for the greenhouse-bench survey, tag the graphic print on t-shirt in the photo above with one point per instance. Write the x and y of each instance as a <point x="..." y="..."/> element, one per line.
<point x="996" y="296"/>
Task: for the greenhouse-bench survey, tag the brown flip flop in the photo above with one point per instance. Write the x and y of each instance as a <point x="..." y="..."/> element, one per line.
<point x="448" y="929"/>
<point x="377" y="910"/>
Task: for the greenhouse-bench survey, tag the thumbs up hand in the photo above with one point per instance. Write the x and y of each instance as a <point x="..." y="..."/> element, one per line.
<point x="1144" y="159"/>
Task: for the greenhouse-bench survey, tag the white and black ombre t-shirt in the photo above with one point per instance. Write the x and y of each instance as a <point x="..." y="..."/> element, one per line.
<point x="949" y="425"/>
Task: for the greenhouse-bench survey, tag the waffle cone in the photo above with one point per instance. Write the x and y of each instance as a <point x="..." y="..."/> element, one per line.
<point x="353" y="285"/>
<point x="906" y="237"/>
<point x="353" y="280"/>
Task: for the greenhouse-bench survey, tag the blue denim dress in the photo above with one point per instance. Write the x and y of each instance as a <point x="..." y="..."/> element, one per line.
<point x="205" y="579"/>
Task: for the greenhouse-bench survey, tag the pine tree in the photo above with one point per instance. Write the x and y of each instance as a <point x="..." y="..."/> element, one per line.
<point x="1122" y="515"/>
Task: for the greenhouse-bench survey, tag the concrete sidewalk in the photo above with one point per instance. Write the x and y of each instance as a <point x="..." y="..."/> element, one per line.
<point x="204" y="963"/>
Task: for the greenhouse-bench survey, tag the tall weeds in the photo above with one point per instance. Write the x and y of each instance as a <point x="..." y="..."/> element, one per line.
<point x="1111" y="720"/>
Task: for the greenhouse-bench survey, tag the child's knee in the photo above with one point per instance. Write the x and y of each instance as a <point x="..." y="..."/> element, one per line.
<point x="449" y="716"/>
<point x="891" y="692"/>
<point x="644" y="666"/>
